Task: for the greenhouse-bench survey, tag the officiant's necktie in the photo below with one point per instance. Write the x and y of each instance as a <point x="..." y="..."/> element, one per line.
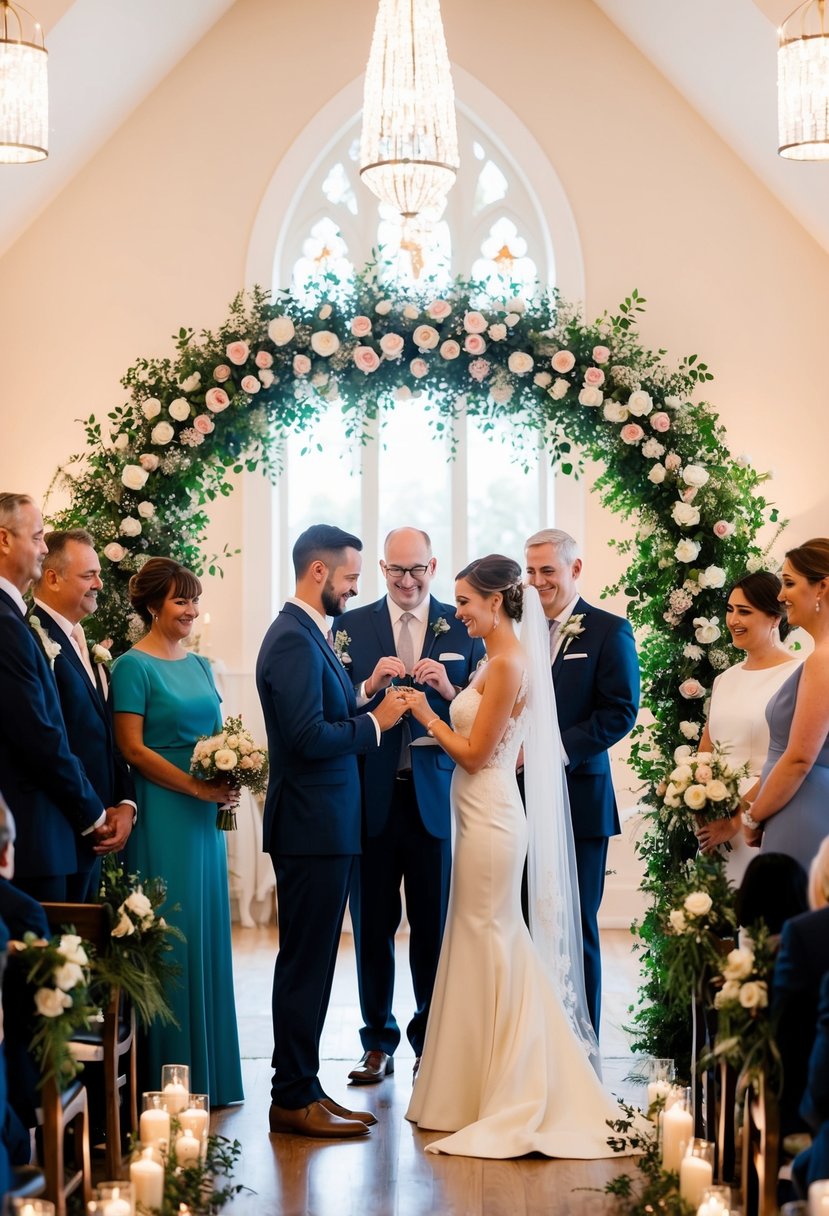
<point x="553" y="626"/>
<point x="405" y="653"/>
<point x="79" y="638"/>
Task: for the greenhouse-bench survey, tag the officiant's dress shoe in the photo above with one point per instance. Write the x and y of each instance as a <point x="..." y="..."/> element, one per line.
<point x="364" y="1116"/>
<point x="314" y="1120"/>
<point x="372" y="1068"/>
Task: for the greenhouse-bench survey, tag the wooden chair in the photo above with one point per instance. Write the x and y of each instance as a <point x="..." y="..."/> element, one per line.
<point x="760" y="1151"/>
<point x="726" y="1124"/>
<point x="703" y="1084"/>
<point x="61" y="1111"/>
<point x="113" y="1043"/>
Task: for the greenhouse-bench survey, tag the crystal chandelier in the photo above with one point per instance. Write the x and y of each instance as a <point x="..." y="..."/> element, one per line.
<point x="803" y="83"/>
<point x="409" y="144"/>
<point x="24" y="94"/>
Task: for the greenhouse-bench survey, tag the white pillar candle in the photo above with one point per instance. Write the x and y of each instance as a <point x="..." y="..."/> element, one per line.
<point x="677" y="1131"/>
<point x="195" y="1120"/>
<point x="175" y="1095"/>
<point x="658" y="1089"/>
<point x="188" y="1147"/>
<point x="116" y="1206"/>
<point x="147" y="1179"/>
<point x="695" y="1177"/>
<point x="154" y="1127"/>
<point x="819" y="1198"/>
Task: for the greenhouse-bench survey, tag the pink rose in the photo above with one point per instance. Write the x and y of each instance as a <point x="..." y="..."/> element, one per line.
<point x="723" y="529"/>
<point x="450" y="349"/>
<point x="148" y="461"/>
<point x="366" y="359"/>
<point x="601" y="354"/>
<point x="425" y="337"/>
<point x="563" y="361"/>
<point x="251" y="384"/>
<point x="661" y="422"/>
<point x="691" y="689"/>
<point x="632" y="433"/>
<point x="479" y="369"/>
<point x="474" y="344"/>
<point x="361" y="326"/>
<point x="594" y="377"/>
<point x="439" y="310"/>
<point x="703" y="774"/>
<point x="216" y="399"/>
<point x="418" y="368"/>
<point x="237" y="352"/>
<point x="263" y="358"/>
<point x="672" y="461"/>
<point x="221" y="373"/>
<point x="392" y="345"/>
<point x="474" y="322"/>
<point x="689" y="494"/>
<point x="302" y="365"/>
<point x="204" y="424"/>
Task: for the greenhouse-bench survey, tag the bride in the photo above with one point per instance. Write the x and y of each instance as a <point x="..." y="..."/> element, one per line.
<point x="510" y="1061"/>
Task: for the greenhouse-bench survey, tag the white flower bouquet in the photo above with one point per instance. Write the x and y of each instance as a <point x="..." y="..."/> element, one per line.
<point x="704" y="784"/>
<point x="232" y="756"/>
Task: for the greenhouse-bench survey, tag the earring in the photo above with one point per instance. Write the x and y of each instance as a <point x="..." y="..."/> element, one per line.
<point x="496" y="620"/>
<point x="817" y="604"/>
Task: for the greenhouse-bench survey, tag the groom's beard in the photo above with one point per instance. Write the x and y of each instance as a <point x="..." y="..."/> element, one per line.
<point x="332" y="603"/>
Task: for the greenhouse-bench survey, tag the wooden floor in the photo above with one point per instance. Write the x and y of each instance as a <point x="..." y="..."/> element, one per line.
<point x="388" y="1173"/>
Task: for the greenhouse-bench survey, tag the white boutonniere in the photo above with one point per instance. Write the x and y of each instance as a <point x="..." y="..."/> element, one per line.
<point x="50" y="649"/>
<point x="341" y="644"/>
<point x="441" y="625"/>
<point x="572" y="628"/>
<point x="101" y="653"/>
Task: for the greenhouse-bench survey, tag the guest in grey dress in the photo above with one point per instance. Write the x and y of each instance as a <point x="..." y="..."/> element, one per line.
<point x="791" y="812"/>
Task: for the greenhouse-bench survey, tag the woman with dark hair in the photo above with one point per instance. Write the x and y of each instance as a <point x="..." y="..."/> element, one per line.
<point x="737" y="716"/>
<point x="507" y="1066"/>
<point x="773" y="890"/>
<point x="164" y="698"/>
<point x="791" y="812"/>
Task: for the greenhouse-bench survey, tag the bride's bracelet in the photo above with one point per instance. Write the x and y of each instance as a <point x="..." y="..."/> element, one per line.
<point x="749" y="821"/>
<point x="431" y="723"/>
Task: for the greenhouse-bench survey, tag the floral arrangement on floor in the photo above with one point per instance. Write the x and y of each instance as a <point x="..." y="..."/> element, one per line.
<point x="59" y="973"/>
<point x="703" y="786"/>
<point x="658" y="1189"/>
<point x="235" y="757"/>
<point x="193" y="1187"/>
<point x="225" y="400"/>
<point x="140" y="944"/>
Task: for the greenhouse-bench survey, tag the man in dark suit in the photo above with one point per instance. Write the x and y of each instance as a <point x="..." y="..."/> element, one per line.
<point x="312" y="818"/>
<point x="802" y="962"/>
<point x="50" y="795"/>
<point x="65" y="594"/>
<point x="596" y="678"/>
<point x="813" y="1163"/>
<point x="406" y="636"/>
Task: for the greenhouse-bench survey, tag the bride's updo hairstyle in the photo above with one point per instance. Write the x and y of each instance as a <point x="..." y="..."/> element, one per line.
<point x="151" y="586"/>
<point x="761" y="589"/>
<point x="497" y="573"/>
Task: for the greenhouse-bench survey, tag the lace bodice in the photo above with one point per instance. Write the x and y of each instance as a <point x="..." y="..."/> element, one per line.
<point x="464" y="710"/>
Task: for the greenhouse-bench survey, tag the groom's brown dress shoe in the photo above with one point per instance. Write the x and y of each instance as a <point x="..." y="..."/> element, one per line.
<point x="372" y="1068"/>
<point x="314" y="1120"/>
<point x="364" y="1116"/>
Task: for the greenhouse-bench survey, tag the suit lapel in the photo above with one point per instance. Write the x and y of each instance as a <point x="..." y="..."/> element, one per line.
<point x="582" y="608"/>
<point x="69" y="652"/>
<point x="312" y="627"/>
<point x="383" y="629"/>
<point x="435" y="611"/>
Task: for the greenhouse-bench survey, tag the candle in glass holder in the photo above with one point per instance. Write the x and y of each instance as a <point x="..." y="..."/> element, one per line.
<point x="147" y="1178"/>
<point x="659" y="1075"/>
<point x="716" y="1201"/>
<point x="115" y="1199"/>
<point x="677" y="1130"/>
<point x="819" y="1198"/>
<point x="175" y="1085"/>
<point x="696" y="1171"/>
<point x="32" y="1207"/>
<point x="197" y="1118"/>
<point x="188" y="1148"/>
<point x="154" y="1124"/>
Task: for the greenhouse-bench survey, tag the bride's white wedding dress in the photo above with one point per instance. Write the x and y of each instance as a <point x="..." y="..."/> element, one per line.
<point x="502" y="1067"/>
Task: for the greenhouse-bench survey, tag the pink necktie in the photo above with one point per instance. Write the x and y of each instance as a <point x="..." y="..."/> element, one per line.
<point x="79" y="638"/>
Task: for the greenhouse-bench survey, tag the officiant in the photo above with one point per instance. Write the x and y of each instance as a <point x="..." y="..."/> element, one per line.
<point x="408" y="636"/>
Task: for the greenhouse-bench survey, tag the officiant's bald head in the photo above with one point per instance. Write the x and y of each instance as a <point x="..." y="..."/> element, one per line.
<point x="408" y="566"/>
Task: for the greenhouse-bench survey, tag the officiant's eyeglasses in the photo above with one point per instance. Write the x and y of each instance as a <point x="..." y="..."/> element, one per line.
<point x="399" y="571"/>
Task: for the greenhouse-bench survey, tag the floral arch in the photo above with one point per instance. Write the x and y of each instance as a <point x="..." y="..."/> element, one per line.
<point x="224" y="401"/>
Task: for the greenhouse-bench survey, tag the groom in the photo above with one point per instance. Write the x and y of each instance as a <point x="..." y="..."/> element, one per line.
<point x="312" y="818"/>
<point x="596" y="678"/>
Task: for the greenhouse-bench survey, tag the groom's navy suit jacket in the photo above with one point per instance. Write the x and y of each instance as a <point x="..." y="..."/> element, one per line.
<point x="314" y="736"/>
<point x="88" y="718"/>
<point x="596" y="679"/>
<point x="45" y="785"/>
<point x="371" y="639"/>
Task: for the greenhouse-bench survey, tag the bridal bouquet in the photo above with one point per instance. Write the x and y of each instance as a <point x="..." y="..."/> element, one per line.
<point x="232" y="756"/>
<point x="704" y="784"/>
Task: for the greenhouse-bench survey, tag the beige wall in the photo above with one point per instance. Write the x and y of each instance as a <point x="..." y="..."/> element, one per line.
<point x="154" y="232"/>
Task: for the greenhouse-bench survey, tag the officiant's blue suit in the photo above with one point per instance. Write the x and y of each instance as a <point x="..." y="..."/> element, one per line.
<point x="407" y="827"/>
<point x="45" y="785"/>
<point x="596" y="678"/>
<point x="311" y="830"/>
<point x="88" y="718"/>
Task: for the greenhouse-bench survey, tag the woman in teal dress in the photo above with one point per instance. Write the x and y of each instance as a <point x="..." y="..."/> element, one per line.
<point x="164" y="698"/>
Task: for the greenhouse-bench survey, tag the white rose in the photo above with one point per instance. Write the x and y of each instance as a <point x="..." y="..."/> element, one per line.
<point x="191" y="383"/>
<point x="125" y="927"/>
<point x="67" y="976"/>
<point x="559" y="389"/>
<point x="657" y="473"/>
<point x="542" y="379"/>
<point x="739" y="964"/>
<point x="383" y="308"/>
<point x="130" y="526"/>
<point x="712" y="576"/>
<point x="162" y="433"/>
<point x="686" y="551"/>
<point x="677" y="918"/>
<point x="179" y="409"/>
<point x="114" y="552"/>
<point x="671" y="796"/>
<point x="706" y="631"/>
<point x="730" y="991"/>
<point x="497" y="332"/>
<point x="511" y="320"/>
<point x="716" y="791"/>
<point x="516" y="304"/>
<point x="682" y="774"/>
<point x="138" y="903"/>
<point x="134" y="477"/>
<point x="411" y="313"/>
<point x="682" y="753"/>
<point x="754" y="995"/>
<point x="121" y="442"/>
<point x="685" y="514"/>
<point x="694" y="475"/>
<point x="72" y="949"/>
<point x="51" y="1002"/>
<point x="146" y="510"/>
<point x="520" y="363"/>
<point x="151" y="408"/>
<point x="692" y="652"/>
<point x="225" y="759"/>
<point x="591" y="396"/>
<point x="698" y="903"/>
<point x="614" y="412"/>
<point x="689" y="730"/>
<point x="695" y="797"/>
<point x="639" y="403"/>
<point x="324" y="343"/>
<point x="281" y="331"/>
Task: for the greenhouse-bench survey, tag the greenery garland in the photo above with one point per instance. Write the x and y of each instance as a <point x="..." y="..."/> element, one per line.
<point x="227" y="399"/>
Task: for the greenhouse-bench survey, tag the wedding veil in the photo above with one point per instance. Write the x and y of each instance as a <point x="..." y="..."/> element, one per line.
<point x="555" y="918"/>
